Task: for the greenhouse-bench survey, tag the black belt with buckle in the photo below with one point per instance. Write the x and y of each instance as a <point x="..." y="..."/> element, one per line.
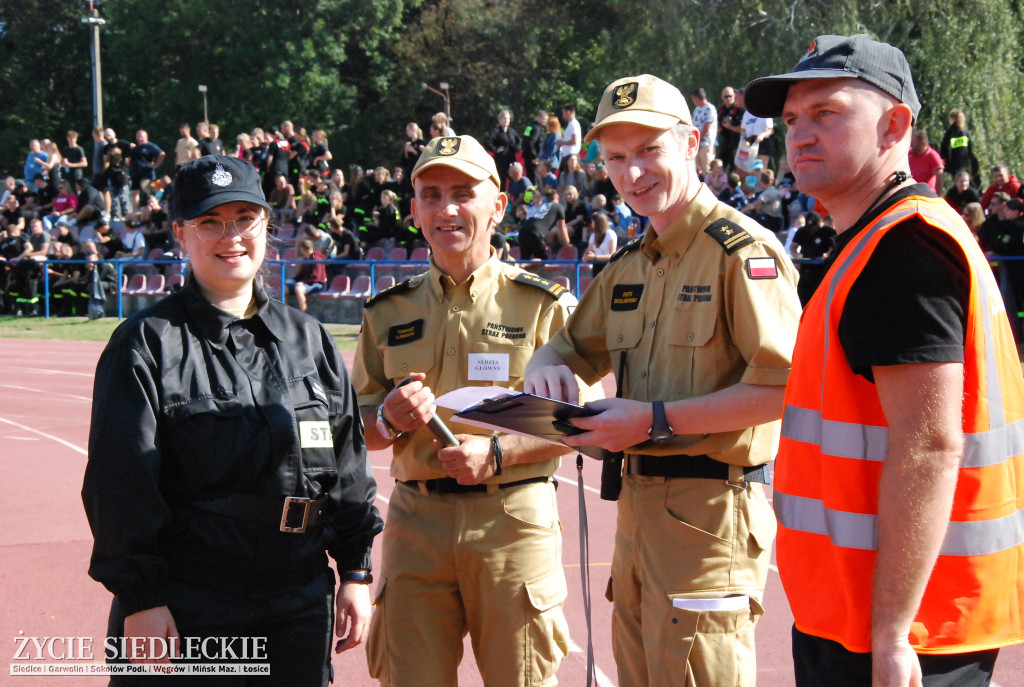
<point x="449" y="485"/>
<point x="294" y="514"/>
<point x="693" y="467"/>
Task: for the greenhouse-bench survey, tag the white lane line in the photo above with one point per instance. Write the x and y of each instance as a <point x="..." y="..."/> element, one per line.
<point x="45" y="371"/>
<point x="44" y="391"/>
<point x="71" y="446"/>
<point x="599" y="677"/>
<point x="575" y="483"/>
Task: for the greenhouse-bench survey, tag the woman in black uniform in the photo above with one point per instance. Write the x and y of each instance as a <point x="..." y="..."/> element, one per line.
<point x="226" y="460"/>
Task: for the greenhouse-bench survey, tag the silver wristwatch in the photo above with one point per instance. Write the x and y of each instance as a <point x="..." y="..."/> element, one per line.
<point x="384" y="427"/>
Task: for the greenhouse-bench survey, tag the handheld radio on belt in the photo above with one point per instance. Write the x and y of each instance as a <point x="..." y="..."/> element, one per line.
<point x="611" y="467"/>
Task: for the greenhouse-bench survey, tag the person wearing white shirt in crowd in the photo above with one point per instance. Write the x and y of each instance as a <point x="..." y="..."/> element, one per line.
<point x="572" y="136"/>
<point x="705" y="120"/>
<point x="757" y="130"/>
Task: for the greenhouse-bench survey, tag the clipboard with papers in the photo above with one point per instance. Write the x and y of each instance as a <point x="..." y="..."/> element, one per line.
<point x="514" y="412"/>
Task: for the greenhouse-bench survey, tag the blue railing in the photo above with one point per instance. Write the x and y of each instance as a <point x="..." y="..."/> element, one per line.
<point x="279" y="269"/>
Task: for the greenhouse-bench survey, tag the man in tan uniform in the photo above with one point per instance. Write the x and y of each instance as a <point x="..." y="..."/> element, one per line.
<point x="473" y="540"/>
<point x="699" y="316"/>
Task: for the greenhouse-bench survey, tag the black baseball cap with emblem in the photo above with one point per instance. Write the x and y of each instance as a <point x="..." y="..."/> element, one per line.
<point x="203" y="184"/>
<point x="838" y="57"/>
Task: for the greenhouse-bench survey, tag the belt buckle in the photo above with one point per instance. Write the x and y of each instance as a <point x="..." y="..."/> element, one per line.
<point x="290" y="504"/>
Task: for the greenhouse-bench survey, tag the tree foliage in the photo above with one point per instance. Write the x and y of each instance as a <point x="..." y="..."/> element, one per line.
<point x="355" y="68"/>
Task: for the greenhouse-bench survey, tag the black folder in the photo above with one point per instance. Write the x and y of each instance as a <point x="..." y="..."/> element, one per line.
<point x="530" y="416"/>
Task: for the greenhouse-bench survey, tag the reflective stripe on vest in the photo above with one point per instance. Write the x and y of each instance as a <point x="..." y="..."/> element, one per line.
<point x="860" y="530"/>
<point x="959" y="141"/>
<point x="835" y="440"/>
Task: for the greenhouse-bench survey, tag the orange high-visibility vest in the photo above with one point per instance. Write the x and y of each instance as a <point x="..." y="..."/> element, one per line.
<point x="834" y="442"/>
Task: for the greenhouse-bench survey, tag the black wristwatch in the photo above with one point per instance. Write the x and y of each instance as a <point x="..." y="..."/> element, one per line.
<point x="356" y="576"/>
<point x="660" y="430"/>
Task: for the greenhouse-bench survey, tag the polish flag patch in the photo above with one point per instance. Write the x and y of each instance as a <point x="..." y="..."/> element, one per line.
<point x="762" y="268"/>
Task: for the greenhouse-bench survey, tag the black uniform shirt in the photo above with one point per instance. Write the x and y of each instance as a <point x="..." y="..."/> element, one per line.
<point x="192" y="404"/>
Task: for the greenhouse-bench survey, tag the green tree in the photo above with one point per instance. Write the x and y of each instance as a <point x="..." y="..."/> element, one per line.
<point x="44" y="88"/>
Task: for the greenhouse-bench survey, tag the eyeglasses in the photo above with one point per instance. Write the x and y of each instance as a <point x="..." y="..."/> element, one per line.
<point x="212" y="229"/>
<point x="724" y="96"/>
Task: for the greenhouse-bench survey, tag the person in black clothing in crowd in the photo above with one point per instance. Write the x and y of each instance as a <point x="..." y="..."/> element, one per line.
<point x="534" y="136"/>
<point x="73" y="161"/>
<point x="345" y="247"/>
<point x="211" y="143"/>
<point x="956" y="149"/>
<point x="730" y="116"/>
<point x="813" y="240"/>
<point x="962" y="191"/>
<point x="278" y="159"/>
<point x="226" y="458"/>
<point x="503" y="142"/>
<point x="14" y="246"/>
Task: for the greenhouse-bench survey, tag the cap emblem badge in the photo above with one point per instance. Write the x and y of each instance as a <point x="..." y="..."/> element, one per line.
<point x="221" y="177"/>
<point x="448" y="146"/>
<point x="625" y="95"/>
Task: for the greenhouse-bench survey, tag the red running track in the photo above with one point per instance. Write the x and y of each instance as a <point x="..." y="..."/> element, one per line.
<point x="45" y="396"/>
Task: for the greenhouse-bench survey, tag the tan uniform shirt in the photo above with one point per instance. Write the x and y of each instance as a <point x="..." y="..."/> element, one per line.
<point x="431" y="325"/>
<point x="691" y="320"/>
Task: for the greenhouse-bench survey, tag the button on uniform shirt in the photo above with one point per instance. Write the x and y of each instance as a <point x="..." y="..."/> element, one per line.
<point x="692" y="318"/>
<point x="431" y="325"/>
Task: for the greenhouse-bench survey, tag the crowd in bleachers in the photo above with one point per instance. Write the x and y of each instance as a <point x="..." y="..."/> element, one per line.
<point x="59" y="224"/>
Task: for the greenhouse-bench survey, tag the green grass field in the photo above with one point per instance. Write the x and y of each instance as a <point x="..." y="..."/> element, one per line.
<point x="83" y="329"/>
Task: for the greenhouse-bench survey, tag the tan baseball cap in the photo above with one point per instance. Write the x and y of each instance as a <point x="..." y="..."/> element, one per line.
<point x="463" y="153"/>
<point x="645" y="100"/>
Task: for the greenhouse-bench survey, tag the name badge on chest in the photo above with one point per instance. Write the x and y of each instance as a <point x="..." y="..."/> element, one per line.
<point x="315" y="434"/>
<point x="488" y="367"/>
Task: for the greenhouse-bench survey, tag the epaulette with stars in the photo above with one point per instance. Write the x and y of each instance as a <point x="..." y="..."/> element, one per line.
<point x="729" y="235"/>
<point x="556" y="290"/>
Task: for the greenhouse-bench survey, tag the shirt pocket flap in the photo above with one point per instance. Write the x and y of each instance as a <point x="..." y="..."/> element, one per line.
<point x="548" y="591"/>
<point x="625" y="329"/>
<point x="693" y="327"/>
<point x="208" y="405"/>
<point x="308" y="392"/>
<point x="402" y="360"/>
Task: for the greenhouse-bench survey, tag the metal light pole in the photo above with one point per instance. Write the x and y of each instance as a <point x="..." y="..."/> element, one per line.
<point x="445" y="95"/>
<point x="202" y="89"/>
<point x="96" y="22"/>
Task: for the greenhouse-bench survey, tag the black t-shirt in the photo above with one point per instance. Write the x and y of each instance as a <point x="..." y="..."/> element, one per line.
<point x="11" y="217"/>
<point x="71" y="240"/>
<point x="45" y="196"/>
<point x="321" y="165"/>
<point x="12" y="246"/>
<point x="90" y="196"/>
<point x="74" y="154"/>
<point x="343" y="239"/>
<point x="910" y="302"/>
<point x="958" y="199"/>
<point x="277" y="157"/>
<point x="577" y="209"/>
<point x="541" y="225"/>
<point x="814" y="242"/>
<point x="209" y="146"/>
<point x="124" y="146"/>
